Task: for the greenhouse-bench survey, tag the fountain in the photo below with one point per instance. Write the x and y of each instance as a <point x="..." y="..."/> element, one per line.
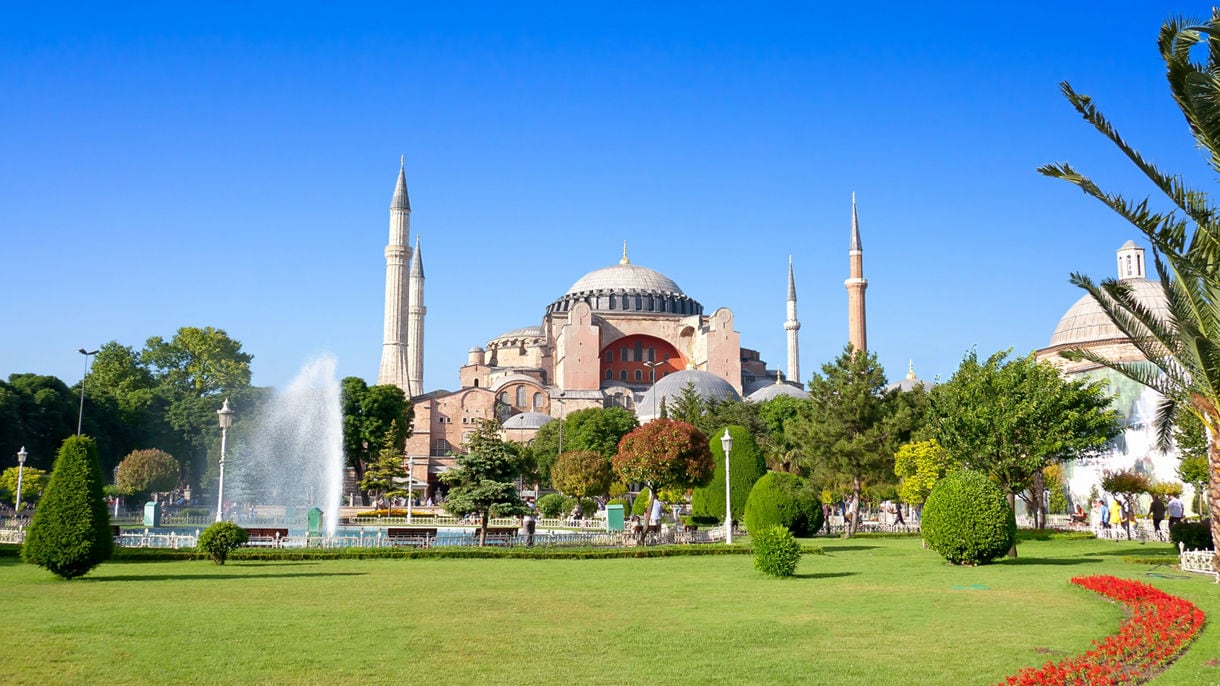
<point x="293" y="455"/>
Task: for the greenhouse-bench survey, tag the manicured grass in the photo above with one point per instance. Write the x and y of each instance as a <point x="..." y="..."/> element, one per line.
<point x="870" y="611"/>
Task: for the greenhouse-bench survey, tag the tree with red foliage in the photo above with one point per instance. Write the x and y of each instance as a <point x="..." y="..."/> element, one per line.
<point x="664" y="453"/>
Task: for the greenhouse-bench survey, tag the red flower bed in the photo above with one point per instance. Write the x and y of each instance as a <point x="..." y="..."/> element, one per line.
<point x="1158" y="630"/>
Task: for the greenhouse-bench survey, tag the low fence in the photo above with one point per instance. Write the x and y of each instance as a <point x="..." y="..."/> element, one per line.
<point x="1198" y="561"/>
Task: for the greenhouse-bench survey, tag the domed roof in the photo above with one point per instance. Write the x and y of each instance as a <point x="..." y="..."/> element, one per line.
<point x="527" y="420"/>
<point x="775" y="390"/>
<point x="523" y="332"/>
<point x="669" y="389"/>
<point x="1085" y="322"/>
<point x="625" y="277"/>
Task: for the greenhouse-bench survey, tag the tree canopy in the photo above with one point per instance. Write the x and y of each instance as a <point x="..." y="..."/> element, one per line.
<point x="483" y="482"/>
<point x="664" y="453"/>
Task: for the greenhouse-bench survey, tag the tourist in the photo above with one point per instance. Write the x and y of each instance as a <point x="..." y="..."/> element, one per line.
<point x="1105" y="514"/>
<point x="637" y="529"/>
<point x="898" y="521"/>
<point x="531" y="522"/>
<point x="1176" y="510"/>
<point x="1095" y="515"/>
<point x="654" y="517"/>
<point x="1157" y="510"/>
<point x="1116" y="513"/>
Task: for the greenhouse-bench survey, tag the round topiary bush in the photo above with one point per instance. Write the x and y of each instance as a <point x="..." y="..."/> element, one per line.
<point x="551" y="505"/>
<point x="220" y="539"/>
<point x="620" y="501"/>
<point x="1195" y="535"/>
<point x="782" y="499"/>
<point x="776" y="552"/>
<point x="967" y="519"/>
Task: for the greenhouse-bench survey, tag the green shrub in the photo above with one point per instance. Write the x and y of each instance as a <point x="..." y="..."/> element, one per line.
<point x="640" y="505"/>
<point x="1195" y="535"/>
<point x="220" y="539"/>
<point x="588" y="506"/>
<point x="620" y="501"/>
<point x="551" y="505"/>
<point x="776" y="552"/>
<point x="781" y="499"/>
<point x="747" y="467"/>
<point x="70" y="532"/>
<point x="967" y="519"/>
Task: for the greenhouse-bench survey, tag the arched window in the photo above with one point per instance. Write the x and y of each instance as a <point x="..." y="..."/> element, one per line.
<point x="609" y="374"/>
<point x="639" y="375"/>
<point x="476" y="383"/>
<point x="521" y="395"/>
<point x="538" y="401"/>
<point x="504" y="397"/>
<point x="609" y="355"/>
<point x="1128" y="265"/>
<point x="622" y="375"/>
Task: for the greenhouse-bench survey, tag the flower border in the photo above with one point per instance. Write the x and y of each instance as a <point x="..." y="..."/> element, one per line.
<point x="1158" y="629"/>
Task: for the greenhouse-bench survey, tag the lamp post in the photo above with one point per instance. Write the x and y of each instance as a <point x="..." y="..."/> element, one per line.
<point x="726" y="442"/>
<point x="21" y="455"/>
<point x="80" y="416"/>
<point x="226" y="420"/>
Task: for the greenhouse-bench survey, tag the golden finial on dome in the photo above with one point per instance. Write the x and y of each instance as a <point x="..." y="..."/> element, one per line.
<point x="778" y="379"/>
<point x="911" y="370"/>
<point x="624" y="260"/>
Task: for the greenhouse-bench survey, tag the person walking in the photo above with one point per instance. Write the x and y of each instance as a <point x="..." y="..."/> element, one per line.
<point x="1176" y="511"/>
<point x="1157" y="510"/>
<point x="531" y="523"/>
<point x="1116" y="513"/>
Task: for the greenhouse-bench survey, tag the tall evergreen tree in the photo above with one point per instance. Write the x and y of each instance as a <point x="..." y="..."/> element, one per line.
<point x="70" y="532"/>
<point x="484" y="480"/>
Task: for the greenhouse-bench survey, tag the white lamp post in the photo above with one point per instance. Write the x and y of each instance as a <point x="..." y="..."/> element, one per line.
<point x="726" y="442"/>
<point x="80" y="416"/>
<point x="21" y="455"/>
<point x="226" y="420"/>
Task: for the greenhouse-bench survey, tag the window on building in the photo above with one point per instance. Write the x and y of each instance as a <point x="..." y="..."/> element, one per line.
<point x="622" y="354"/>
<point x="639" y="375"/>
<point x="609" y="355"/>
<point x="504" y="397"/>
<point x="440" y="448"/>
<point x="537" y="401"/>
<point x="622" y="375"/>
<point x="521" y="395"/>
<point x="609" y="374"/>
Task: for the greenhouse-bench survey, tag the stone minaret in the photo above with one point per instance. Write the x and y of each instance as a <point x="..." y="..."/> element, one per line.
<point x="856" y="284"/>
<point x="415" y="322"/>
<point x="397" y="255"/>
<point x="792" y="326"/>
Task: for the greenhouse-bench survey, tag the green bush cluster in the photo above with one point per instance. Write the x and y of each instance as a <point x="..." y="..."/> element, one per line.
<point x="776" y="552"/>
<point x="967" y="519"/>
<point x="588" y="506"/>
<point x="747" y="466"/>
<point x="1195" y="535"/>
<point x="220" y="539"/>
<point x="70" y="532"/>
<point x="620" y="501"/>
<point x="640" y="505"/>
<point x="551" y="505"/>
<point x="782" y="499"/>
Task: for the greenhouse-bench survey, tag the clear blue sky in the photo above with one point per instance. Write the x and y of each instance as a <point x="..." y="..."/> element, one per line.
<point x="231" y="165"/>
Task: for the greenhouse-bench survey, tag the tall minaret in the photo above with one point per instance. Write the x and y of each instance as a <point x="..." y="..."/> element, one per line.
<point x="415" y="322"/>
<point x="397" y="254"/>
<point x="792" y="326"/>
<point x="856" y="284"/>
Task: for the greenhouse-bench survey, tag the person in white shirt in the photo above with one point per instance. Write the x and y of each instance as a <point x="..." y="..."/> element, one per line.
<point x="1176" y="510"/>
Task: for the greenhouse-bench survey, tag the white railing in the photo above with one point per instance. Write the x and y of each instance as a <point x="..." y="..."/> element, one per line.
<point x="14" y="536"/>
<point x="152" y="539"/>
<point x="1198" y="561"/>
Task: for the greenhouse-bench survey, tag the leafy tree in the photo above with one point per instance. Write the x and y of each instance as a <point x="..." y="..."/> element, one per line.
<point x="38" y="412"/>
<point x="33" y="483"/>
<point x="70" y="532"/>
<point x="1011" y="418"/>
<point x="386" y="476"/>
<point x="664" y="453"/>
<point x="845" y="431"/>
<point x="147" y="471"/>
<point x="483" y="482"/>
<point x="198" y="362"/>
<point x="1126" y="485"/>
<point x="597" y="429"/>
<point x="1194" y="470"/>
<point x="721" y="413"/>
<point x="1181" y="352"/>
<point x="369" y="413"/>
<point x="920" y="465"/>
<point x="747" y="466"/>
<point x="781" y="451"/>
<point x="581" y="473"/>
<point x="1053" y="479"/>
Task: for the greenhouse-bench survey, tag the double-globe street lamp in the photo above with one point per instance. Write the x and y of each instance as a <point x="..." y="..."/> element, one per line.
<point x="80" y="416"/>
<point x="726" y="442"/>
<point x="21" y="455"/>
<point x="226" y="420"/>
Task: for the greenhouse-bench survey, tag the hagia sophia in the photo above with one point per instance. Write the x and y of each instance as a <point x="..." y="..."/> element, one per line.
<point x="628" y="336"/>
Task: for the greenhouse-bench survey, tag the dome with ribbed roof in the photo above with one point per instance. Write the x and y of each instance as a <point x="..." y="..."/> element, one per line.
<point x="627" y="288"/>
<point x="708" y="386"/>
<point x="527" y="420"/>
<point x="775" y="390"/>
<point x="1085" y="322"/>
<point x="625" y="277"/>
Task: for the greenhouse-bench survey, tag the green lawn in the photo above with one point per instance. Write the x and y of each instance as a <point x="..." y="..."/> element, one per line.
<point x="870" y="611"/>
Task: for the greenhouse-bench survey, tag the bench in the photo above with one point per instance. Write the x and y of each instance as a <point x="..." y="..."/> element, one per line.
<point x="410" y="535"/>
<point x="265" y="536"/>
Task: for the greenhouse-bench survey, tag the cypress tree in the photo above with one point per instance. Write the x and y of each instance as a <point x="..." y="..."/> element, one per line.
<point x="70" y="532"/>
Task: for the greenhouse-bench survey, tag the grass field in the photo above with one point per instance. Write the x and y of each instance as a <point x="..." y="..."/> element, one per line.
<point x="870" y="611"/>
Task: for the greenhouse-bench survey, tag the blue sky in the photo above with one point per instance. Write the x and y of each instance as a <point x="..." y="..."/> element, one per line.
<point x="231" y="165"/>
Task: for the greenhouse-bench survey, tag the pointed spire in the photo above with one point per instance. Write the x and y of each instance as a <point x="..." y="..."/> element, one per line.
<point x="401" y="201"/>
<point x="791" y="281"/>
<point x="911" y="370"/>
<point x="417" y="262"/>
<point x="624" y="259"/>
<point x="779" y="379"/>
<point x="855" y="226"/>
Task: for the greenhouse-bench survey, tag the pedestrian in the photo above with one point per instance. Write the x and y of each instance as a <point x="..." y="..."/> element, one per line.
<point x="898" y="521"/>
<point x="1157" y="510"/>
<point x="1176" y="510"/>
<point x="1105" y="514"/>
<point x="531" y="523"/>
<point x="1116" y="513"/>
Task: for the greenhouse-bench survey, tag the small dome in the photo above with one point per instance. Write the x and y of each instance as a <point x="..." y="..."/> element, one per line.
<point x="669" y="389"/>
<point x="523" y="332"/>
<point x="1085" y="322"/>
<point x="775" y="390"/>
<point x="527" y="420"/>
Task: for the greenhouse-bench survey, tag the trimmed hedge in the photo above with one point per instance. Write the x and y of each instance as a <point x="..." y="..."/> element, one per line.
<point x="746" y="468"/>
<point x="551" y="505"/>
<point x="776" y="552"/>
<point x="781" y="499"/>
<point x="967" y="519"/>
<point x="640" y="505"/>
<point x="1196" y="535"/>
<point x="70" y="532"/>
<point x="221" y="539"/>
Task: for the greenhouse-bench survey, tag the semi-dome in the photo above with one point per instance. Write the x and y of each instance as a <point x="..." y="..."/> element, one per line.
<point x="626" y="287"/>
<point x="669" y="389"/>
<point x="775" y="390"/>
<point x="527" y="420"/>
<point x="1085" y="322"/>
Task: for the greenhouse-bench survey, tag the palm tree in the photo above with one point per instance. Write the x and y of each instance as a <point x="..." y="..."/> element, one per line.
<point x="1182" y="351"/>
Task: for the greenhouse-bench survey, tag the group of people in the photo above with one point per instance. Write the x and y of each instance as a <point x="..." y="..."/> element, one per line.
<point x="1118" y="514"/>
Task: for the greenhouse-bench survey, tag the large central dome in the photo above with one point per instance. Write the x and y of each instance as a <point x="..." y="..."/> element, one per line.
<point x="627" y="288"/>
<point x="625" y="277"/>
<point x="1085" y="322"/>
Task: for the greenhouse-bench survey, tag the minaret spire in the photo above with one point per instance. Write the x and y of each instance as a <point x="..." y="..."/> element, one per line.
<point x="393" y="369"/>
<point x="623" y="259"/>
<point x="415" y="323"/>
<point x="792" y="326"/>
<point x="856" y="285"/>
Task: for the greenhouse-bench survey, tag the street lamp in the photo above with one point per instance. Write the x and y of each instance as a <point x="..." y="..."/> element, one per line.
<point x="226" y="420"/>
<point x="726" y="442"/>
<point x="81" y="415"/>
<point x="21" y="455"/>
